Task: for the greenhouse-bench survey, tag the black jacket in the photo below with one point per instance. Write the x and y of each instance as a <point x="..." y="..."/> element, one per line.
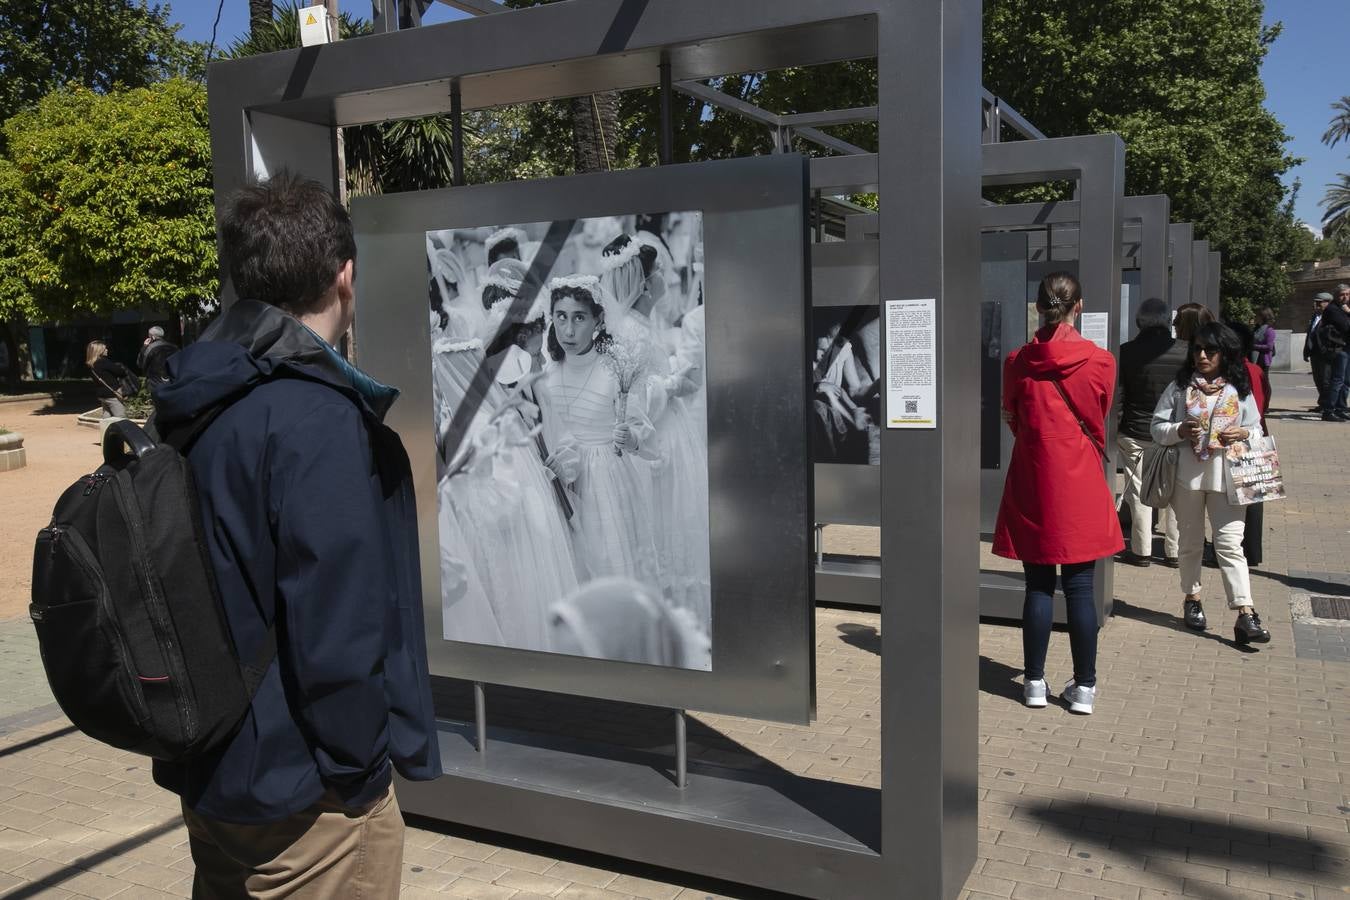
<point x="1148" y="364"/>
<point x="108" y="375"/>
<point x="1333" y="334"/>
<point x="307" y="501"/>
<point x="153" y="359"/>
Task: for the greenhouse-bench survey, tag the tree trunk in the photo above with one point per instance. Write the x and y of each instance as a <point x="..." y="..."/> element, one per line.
<point x="595" y="125"/>
<point x="259" y="15"/>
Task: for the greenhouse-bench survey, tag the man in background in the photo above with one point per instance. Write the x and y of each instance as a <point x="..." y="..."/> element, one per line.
<point x="155" y="353"/>
<point x="1312" y="353"/>
<point x="1333" y="341"/>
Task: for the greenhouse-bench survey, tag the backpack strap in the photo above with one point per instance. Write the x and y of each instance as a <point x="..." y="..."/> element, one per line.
<point x="1079" y="419"/>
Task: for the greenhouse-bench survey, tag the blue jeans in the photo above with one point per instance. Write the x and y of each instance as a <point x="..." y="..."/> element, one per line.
<point x="1038" y="614"/>
<point x="1334" y="390"/>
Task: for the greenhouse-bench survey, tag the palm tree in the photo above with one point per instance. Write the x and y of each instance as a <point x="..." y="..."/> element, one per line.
<point x="1336" y="202"/>
<point x="1340" y="123"/>
<point x="259" y="14"/>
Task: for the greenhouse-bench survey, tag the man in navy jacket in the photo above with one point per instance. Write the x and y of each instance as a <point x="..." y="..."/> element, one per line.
<point x="306" y="497"/>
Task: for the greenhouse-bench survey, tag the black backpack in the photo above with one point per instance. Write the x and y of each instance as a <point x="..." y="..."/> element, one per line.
<point x="129" y="620"/>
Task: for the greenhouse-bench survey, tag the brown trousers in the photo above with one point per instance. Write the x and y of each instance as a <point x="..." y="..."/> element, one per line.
<point x="325" y="851"/>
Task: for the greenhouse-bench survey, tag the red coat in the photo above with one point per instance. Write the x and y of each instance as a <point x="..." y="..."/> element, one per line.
<point x="1057" y="507"/>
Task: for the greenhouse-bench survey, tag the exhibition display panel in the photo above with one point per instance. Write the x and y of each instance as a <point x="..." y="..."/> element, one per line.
<point x="654" y="575"/>
<point x="539" y="731"/>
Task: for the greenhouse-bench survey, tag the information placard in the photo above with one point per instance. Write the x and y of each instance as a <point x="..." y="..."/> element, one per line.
<point x="911" y="363"/>
<point x="1096" y="328"/>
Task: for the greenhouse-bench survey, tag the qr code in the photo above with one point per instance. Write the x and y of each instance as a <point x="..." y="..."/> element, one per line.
<point x="911" y="407"/>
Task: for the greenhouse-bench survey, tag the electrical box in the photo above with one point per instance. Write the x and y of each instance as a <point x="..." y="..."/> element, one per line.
<point x="314" y="25"/>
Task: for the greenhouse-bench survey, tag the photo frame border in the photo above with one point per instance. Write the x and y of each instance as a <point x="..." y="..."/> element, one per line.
<point x="759" y="381"/>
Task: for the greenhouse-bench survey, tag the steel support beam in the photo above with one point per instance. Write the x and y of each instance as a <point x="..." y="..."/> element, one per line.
<point x="1180" y="236"/>
<point x="1200" y="272"/>
<point x="1213" y="298"/>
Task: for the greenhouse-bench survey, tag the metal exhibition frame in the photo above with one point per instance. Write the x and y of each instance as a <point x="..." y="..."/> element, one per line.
<point x="823" y="839"/>
<point x="846" y="494"/>
<point x="1097" y="163"/>
<point x="1180" y="237"/>
<point x="1213" y="283"/>
<point x="1200" y="272"/>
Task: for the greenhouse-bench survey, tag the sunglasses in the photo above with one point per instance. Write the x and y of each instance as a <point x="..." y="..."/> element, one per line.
<point x="1208" y="350"/>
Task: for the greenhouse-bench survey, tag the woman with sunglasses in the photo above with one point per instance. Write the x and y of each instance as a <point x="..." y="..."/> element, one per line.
<point x="1209" y="406"/>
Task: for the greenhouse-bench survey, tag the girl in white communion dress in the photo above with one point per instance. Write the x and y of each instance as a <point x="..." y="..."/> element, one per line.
<point x="634" y="282"/>
<point x="505" y="549"/>
<point x="595" y="434"/>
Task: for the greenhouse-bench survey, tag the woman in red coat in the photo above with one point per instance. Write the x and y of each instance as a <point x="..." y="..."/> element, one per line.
<point x="1057" y="510"/>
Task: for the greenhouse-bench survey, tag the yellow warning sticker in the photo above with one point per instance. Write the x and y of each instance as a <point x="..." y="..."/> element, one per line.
<point x="310" y="20"/>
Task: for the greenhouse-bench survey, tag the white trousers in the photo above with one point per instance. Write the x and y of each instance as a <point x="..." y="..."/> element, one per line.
<point x="1141" y="516"/>
<point x="1229" y="523"/>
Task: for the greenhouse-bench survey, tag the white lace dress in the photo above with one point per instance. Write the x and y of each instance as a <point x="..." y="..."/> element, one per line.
<point x="499" y="517"/>
<point x="613" y="529"/>
<point x="679" y="471"/>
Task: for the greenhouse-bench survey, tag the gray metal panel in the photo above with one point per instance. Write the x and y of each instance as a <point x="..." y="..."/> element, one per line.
<point x="1200" y="272"/>
<point x="856" y="174"/>
<point x="1180" y="237"/>
<point x="928" y="72"/>
<point x="1003" y="271"/>
<point x="758" y="379"/>
<point x="1214" y="283"/>
<point x="803" y="836"/>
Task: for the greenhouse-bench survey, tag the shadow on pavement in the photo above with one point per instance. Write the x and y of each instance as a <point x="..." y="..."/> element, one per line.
<point x="864" y="637"/>
<point x="1196" y="837"/>
<point x="81" y="866"/>
<point x="1174" y="623"/>
<point x="37" y="741"/>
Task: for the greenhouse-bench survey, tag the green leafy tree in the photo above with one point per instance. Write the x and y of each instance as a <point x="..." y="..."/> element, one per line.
<point x="1180" y="81"/>
<point x="45" y="44"/>
<point x="106" y="203"/>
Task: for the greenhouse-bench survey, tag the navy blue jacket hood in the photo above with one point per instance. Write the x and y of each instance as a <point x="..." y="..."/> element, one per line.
<point x="308" y="512"/>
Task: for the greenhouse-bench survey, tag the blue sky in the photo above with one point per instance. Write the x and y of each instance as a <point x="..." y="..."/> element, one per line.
<point x="1307" y="69"/>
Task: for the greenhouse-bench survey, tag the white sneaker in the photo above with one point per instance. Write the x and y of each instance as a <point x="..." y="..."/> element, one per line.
<point x="1034" y="693"/>
<point x="1079" y="698"/>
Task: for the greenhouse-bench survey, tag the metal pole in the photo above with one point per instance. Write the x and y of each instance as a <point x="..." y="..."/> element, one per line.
<point x="480" y="717"/>
<point x="681" y="752"/>
<point x="666" y="154"/>
<point x="820" y="545"/>
<point x="457" y="133"/>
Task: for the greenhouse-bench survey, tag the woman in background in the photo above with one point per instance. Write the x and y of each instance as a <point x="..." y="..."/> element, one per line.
<point x="1057" y="515"/>
<point x="1207" y="407"/>
<point x="108" y="378"/>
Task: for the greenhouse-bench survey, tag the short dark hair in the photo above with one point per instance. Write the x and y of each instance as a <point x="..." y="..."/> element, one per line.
<point x="1233" y="362"/>
<point x="285" y="239"/>
<point x="1153" y="313"/>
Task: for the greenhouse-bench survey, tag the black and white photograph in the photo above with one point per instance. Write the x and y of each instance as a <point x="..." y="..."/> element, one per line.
<point x="571" y="437"/>
<point x="845" y="425"/>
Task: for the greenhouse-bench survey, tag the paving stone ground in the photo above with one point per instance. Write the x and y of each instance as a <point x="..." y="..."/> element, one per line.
<point x="1207" y="771"/>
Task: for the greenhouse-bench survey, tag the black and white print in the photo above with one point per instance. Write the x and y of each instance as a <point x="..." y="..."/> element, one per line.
<point x="847" y="391"/>
<point x="571" y="437"/>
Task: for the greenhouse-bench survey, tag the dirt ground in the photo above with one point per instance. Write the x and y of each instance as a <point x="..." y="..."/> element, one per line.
<point x="59" y="451"/>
